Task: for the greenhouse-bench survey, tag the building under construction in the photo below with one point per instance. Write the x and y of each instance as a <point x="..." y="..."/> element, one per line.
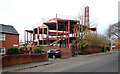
<point x="57" y="32"/>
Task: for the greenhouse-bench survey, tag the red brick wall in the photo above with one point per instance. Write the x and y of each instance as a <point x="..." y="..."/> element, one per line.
<point x="66" y="52"/>
<point x="9" y="60"/>
<point x="117" y="43"/>
<point x="91" y="50"/>
<point x="10" y="40"/>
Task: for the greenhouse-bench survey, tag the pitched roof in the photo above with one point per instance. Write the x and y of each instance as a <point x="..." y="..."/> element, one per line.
<point x="8" y="29"/>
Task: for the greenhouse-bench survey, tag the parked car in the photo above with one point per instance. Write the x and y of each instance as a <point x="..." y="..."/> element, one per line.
<point x="54" y="52"/>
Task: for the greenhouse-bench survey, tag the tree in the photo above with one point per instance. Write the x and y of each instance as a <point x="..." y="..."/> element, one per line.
<point x="112" y="33"/>
<point x="90" y="39"/>
<point x="115" y="29"/>
<point x="83" y="30"/>
<point x="81" y="35"/>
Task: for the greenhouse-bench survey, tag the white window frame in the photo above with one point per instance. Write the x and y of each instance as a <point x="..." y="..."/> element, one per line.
<point x="2" y="37"/>
<point x="2" y="50"/>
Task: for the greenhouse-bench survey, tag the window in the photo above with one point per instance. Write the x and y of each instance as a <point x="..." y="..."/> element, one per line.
<point x="2" y="37"/>
<point x="2" y="50"/>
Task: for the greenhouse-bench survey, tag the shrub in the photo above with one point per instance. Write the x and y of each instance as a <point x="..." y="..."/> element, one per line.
<point x="78" y="52"/>
<point x="12" y="50"/>
<point x="40" y="46"/>
<point x="22" y="48"/>
<point x="88" y="39"/>
<point x="37" y="50"/>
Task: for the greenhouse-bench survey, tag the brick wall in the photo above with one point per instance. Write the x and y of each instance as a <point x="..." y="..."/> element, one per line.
<point x="66" y="52"/>
<point x="9" y="60"/>
<point x="10" y="40"/>
<point x="117" y="43"/>
<point x="89" y="50"/>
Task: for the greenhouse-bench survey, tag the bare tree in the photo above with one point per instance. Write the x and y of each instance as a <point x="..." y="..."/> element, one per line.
<point x="115" y="29"/>
<point x="82" y="33"/>
<point x="81" y="17"/>
<point x="112" y="33"/>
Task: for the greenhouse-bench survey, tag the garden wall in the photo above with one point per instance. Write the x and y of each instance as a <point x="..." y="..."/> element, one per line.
<point x="24" y="51"/>
<point x="8" y="60"/>
<point x="66" y="52"/>
<point x="90" y="50"/>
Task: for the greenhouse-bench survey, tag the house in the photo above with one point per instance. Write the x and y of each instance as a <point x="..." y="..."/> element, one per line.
<point x="9" y="37"/>
<point x="117" y="43"/>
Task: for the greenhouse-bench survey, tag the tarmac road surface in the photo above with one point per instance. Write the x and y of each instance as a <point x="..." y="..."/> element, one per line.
<point x="90" y="63"/>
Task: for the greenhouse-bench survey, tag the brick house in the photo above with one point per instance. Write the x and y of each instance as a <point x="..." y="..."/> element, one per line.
<point x="117" y="43"/>
<point x="9" y="37"/>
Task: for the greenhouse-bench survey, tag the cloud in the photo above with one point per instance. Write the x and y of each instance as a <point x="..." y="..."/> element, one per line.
<point x="26" y="13"/>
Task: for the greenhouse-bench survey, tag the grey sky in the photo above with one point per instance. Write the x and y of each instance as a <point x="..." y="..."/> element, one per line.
<point x="24" y="14"/>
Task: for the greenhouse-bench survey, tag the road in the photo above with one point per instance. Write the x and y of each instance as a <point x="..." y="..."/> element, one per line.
<point x="90" y="63"/>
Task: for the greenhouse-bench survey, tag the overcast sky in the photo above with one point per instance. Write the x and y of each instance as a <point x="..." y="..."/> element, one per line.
<point x="26" y="14"/>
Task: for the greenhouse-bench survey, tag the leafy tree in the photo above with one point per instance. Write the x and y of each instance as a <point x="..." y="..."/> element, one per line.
<point x="90" y="39"/>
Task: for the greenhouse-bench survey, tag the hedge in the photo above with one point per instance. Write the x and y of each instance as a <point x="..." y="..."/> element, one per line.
<point x="12" y="50"/>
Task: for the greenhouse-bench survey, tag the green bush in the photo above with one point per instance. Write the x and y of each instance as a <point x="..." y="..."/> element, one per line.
<point x="12" y="50"/>
<point x="88" y="39"/>
<point x="37" y="50"/>
<point x="22" y="48"/>
<point x="78" y="52"/>
<point x="116" y="50"/>
<point x="40" y="46"/>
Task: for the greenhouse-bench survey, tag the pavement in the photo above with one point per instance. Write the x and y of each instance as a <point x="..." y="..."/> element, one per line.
<point x="51" y="61"/>
<point x="25" y="66"/>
